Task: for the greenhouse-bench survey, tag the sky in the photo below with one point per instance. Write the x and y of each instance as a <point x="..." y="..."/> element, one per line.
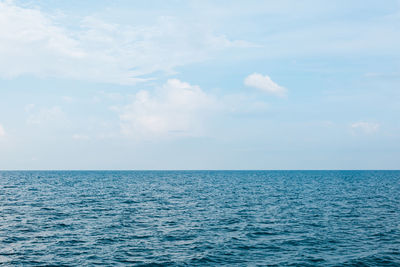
<point x="137" y="85"/>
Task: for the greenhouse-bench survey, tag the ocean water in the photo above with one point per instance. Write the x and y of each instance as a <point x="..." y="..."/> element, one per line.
<point x="200" y="218"/>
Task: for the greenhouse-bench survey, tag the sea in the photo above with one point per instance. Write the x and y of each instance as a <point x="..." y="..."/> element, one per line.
<point x="200" y="218"/>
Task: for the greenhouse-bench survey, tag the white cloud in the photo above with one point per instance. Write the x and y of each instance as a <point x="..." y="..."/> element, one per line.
<point x="365" y="127"/>
<point x="2" y="131"/>
<point x="33" y="42"/>
<point x="265" y="84"/>
<point x="26" y="36"/>
<point x="177" y="108"/>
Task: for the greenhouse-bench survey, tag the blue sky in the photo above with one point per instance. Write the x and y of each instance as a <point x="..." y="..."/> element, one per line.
<point x="200" y="84"/>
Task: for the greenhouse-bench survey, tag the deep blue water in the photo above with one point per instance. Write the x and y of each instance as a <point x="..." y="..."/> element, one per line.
<point x="194" y="218"/>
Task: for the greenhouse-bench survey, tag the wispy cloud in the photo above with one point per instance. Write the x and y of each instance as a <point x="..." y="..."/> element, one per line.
<point x="32" y="42"/>
<point x="365" y="127"/>
<point x="43" y="115"/>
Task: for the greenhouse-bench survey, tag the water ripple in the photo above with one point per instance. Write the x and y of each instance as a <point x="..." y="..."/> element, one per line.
<point x="191" y="218"/>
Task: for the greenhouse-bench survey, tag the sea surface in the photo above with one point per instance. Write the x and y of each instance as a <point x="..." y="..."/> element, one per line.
<point x="200" y="218"/>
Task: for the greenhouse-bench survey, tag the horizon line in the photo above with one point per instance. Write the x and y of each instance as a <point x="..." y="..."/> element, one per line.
<point x="127" y="170"/>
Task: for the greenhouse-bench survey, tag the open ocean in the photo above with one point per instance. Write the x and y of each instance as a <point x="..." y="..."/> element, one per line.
<point x="195" y="218"/>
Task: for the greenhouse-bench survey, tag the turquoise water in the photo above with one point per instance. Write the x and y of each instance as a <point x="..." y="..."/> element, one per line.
<point x="195" y="218"/>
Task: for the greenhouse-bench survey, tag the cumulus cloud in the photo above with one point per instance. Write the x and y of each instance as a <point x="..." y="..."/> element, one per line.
<point x="265" y="84"/>
<point x="177" y="108"/>
<point x="34" y="42"/>
<point x="2" y="131"/>
<point x="365" y="127"/>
